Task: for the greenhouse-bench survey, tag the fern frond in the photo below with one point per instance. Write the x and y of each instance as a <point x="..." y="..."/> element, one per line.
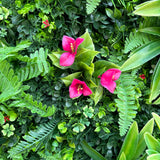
<point x="56" y="156"/>
<point x="126" y="102"/>
<point x="36" y="138"/>
<point x="6" y="52"/>
<point x="36" y="65"/>
<point x="28" y="72"/>
<point x="9" y="84"/>
<point x="41" y="60"/>
<point x="26" y="100"/>
<point x="136" y="39"/>
<point x="91" y="5"/>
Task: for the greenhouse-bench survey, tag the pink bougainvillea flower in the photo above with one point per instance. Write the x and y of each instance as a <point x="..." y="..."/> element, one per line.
<point x="142" y="76"/>
<point x="77" y="88"/>
<point x="108" y="78"/>
<point x="46" y="22"/>
<point x="70" y="45"/>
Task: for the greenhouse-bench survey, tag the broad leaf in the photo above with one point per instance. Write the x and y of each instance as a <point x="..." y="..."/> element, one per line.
<point x="91" y="152"/>
<point x="155" y="84"/>
<point x="102" y="65"/>
<point x="130" y="142"/>
<point x="141" y="142"/>
<point x="87" y="43"/>
<point x="150" y="8"/>
<point x="84" y="55"/>
<point x="151" y="151"/>
<point x="68" y="79"/>
<point x="154" y="157"/>
<point x="151" y="142"/>
<point x="142" y="55"/>
<point x="55" y="57"/>
<point x="122" y="157"/>
<point x="151" y="30"/>
<point x="157" y="119"/>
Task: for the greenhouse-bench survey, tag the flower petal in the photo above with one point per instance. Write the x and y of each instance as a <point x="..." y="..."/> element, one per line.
<point x="108" y="84"/>
<point x="66" y="43"/>
<point x="78" y="42"/>
<point x="86" y="90"/>
<point x="67" y="59"/>
<point x="73" y="88"/>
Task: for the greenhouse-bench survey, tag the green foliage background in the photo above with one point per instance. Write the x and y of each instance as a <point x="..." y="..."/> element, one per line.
<point x="35" y="96"/>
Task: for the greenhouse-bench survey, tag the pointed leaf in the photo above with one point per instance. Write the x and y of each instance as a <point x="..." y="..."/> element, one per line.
<point x="130" y="142"/>
<point x="68" y="79"/>
<point x="122" y="157"/>
<point x="91" y="152"/>
<point x="155" y="84"/>
<point x="151" y="142"/>
<point x="150" y="8"/>
<point x="141" y="142"/>
<point x="1" y="118"/>
<point x="154" y="157"/>
<point x="151" y="151"/>
<point x="102" y="65"/>
<point x="151" y="30"/>
<point x="157" y="119"/>
<point x="87" y="43"/>
<point x="142" y="55"/>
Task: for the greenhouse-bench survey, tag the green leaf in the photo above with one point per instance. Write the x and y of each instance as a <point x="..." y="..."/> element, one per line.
<point x="12" y="116"/>
<point x="122" y="157"/>
<point x="87" y="43"/>
<point x="155" y="84"/>
<point x="84" y="55"/>
<point x="55" y="58"/>
<point x="141" y="142"/>
<point x="154" y="157"/>
<point x="151" y="151"/>
<point x="157" y="101"/>
<point x="157" y="119"/>
<point x="1" y="118"/>
<point x="130" y="142"/>
<point x="97" y="94"/>
<point x="142" y="55"/>
<point x="68" y="79"/>
<point x="151" y="30"/>
<point x="91" y="152"/>
<point x="101" y="66"/>
<point x="88" y="70"/>
<point x="151" y="142"/>
<point x="150" y="8"/>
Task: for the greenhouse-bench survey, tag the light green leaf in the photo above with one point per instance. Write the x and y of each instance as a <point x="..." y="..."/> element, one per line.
<point x="84" y="55"/>
<point x="91" y="152"/>
<point x="101" y="66"/>
<point x="55" y="58"/>
<point x="97" y="94"/>
<point x="130" y="142"/>
<point x="12" y="115"/>
<point x="157" y="119"/>
<point x="88" y="70"/>
<point x="154" y="157"/>
<point x="141" y="142"/>
<point x="151" y="151"/>
<point x="157" y="101"/>
<point x="151" y="30"/>
<point x="87" y="43"/>
<point x="142" y="55"/>
<point x="1" y="118"/>
<point x="151" y="142"/>
<point x="68" y="79"/>
<point x="122" y="157"/>
<point x="150" y="8"/>
<point x="155" y="84"/>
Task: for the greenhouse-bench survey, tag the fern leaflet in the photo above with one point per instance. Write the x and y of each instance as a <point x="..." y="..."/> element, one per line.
<point x="26" y="100"/>
<point x="91" y="5"/>
<point x="127" y="102"/>
<point x="36" y="138"/>
<point x="9" y="84"/>
<point x="136" y="39"/>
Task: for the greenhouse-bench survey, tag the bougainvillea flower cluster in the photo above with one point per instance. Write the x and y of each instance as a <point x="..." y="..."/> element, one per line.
<point x="69" y="45"/>
<point x="108" y="79"/>
<point x="46" y="22"/>
<point x="77" y="88"/>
